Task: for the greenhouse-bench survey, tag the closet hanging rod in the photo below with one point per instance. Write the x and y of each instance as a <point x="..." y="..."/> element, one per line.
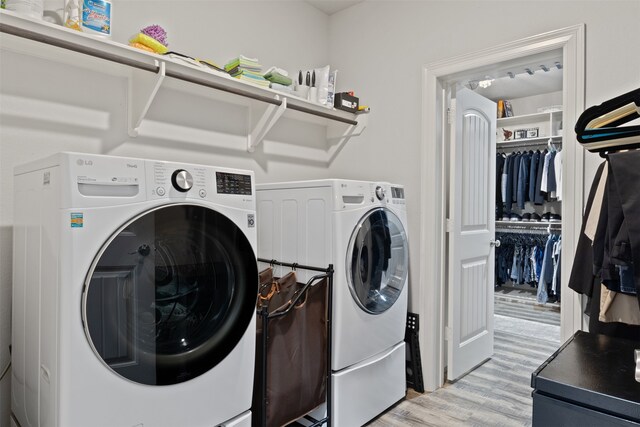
<point x="77" y="46"/>
<point x="529" y="225"/>
<point x="295" y="265"/>
<point x="512" y="144"/>
<point x="527" y="230"/>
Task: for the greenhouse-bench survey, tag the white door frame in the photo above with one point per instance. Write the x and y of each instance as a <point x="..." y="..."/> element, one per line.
<point x="433" y="181"/>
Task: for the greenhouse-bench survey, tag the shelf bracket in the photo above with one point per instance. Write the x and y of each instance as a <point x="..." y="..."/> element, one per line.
<point x="341" y="133"/>
<point x="269" y="118"/>
<point x="143" y="87"/>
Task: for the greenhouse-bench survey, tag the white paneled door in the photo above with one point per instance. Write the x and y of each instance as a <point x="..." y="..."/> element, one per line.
<point x="471" y="233"/>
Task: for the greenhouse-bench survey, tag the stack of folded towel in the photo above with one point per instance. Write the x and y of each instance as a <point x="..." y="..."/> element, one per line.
<point x="246" y="69"/>
<point x="278" y="76"/>
<point x="279" y="79"/>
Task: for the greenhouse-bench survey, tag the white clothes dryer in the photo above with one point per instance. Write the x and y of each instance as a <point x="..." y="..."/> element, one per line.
<point x="361" y="228"/>
<point x="135" y="285"/>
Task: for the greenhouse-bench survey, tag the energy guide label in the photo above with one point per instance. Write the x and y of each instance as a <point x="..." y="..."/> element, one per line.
<point x="77" y="220"/>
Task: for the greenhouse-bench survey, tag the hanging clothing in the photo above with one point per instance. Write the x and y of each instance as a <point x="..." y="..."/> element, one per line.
<point x="500" y="161"/>
<point x="508" y="191"/>
<point x="515" y="175"/>
<point x="551" y="177"/>
<point x="555" y="284"/>
<point x="587" y="281"/>
<point x="533" y="174"/>
<point x="558" y="170"/>
<point x="617" y="307"/>
<point x="532" y="260"/>
<point x="539" y="196"/>
<point x="515" y="258"/>
<point x="523" y="179"/>
<point x="546" y="274"/>
<point x="545" y="173"/>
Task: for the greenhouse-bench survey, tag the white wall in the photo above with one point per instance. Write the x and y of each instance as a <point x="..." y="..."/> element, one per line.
<point x="395" y="39"/>
<point x="46" y="107"/>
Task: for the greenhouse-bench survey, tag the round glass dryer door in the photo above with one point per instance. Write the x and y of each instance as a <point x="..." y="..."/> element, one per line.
<point x="377" y="261"/>
<point x="170" y="294"/>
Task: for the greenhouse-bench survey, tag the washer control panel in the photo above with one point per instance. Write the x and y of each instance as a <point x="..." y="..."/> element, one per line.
<point x="186" y="181"/>
<point x="173" y="179"/>
<point x="233" y="183"/>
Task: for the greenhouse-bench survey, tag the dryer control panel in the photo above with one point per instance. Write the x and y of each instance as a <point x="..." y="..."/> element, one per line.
<point x="355" y="194"/>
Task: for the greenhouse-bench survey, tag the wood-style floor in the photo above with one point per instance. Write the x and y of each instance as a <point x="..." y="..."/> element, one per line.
<point x="498" y="393"/>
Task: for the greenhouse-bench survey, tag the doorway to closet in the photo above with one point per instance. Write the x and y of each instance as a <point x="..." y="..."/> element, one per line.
<point x="528" y="194"/>
<point x="441" y="81"/>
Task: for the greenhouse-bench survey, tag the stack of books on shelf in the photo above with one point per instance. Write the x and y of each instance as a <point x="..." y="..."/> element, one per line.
<point x="246" y="69"/>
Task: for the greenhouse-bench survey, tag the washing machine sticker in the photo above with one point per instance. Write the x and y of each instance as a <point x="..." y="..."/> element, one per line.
<point x="77" y="220"/>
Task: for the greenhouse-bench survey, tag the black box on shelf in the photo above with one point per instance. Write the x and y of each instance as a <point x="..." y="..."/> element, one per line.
<point x="346" y="102"/>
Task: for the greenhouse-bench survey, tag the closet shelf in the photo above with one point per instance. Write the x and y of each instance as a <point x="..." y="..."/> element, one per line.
<point x="147" y="72"/>
<point x="529" y="118"/>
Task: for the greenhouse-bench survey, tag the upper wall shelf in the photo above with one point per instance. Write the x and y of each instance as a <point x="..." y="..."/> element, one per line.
<point x="147" y="72"/>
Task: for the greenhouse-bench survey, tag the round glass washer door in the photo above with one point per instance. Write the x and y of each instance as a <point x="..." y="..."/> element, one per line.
<point x="377" y="261"/>
<point x="170" y="294"/>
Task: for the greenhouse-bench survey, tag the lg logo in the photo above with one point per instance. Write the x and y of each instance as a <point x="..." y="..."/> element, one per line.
<point x="81" y="162"/>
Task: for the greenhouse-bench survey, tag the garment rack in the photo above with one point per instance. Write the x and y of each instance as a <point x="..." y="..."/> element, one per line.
<point x="266" y="316"/>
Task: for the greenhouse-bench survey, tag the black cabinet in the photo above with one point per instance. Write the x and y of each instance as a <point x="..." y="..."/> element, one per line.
<point x="589" y="381"/>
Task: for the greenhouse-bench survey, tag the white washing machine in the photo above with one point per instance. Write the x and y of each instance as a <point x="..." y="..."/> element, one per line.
<point x="359" y="227"/>
<point x="134" y="293"/>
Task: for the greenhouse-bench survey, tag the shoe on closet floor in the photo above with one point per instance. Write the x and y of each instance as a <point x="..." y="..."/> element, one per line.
<point x="555" y="218"/>
<point x="526" y="217"/>
<point x="535" y="217"/>
<point x="515" y="218"/>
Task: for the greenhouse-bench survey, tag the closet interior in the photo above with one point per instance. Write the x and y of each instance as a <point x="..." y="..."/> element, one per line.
<point x="528" y="205"/>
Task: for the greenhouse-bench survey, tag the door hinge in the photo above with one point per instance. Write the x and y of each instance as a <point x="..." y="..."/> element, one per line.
<point x="451" y="112"/>
<point x="449" y="225"/>
<point x="448" y="335"/>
